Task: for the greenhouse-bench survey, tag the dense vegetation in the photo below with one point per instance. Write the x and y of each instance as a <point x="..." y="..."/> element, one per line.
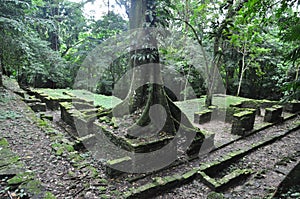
<point x="254" y="44"/>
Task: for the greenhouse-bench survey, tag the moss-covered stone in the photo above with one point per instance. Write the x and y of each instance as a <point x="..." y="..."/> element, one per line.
<point x="293" y="107"/>
<point x="20" y="178"/>
<point x="81" y="142"/>
<point x="111" y="166"/>
<point x="31" y="100"/>
<point x="267" y="103"/>
<point x="76" y="119"/>
<point x="215" y="195"/>
<point x="82" y="105"/>
<point x="46" y="116"/>
<point x="253" y="104"/>
<point x="80" y="100"/>
<point x="233" y="178"/>
<point x="203" y="116"/>
<point x="226" y="113"/>
<point x="236" y="104"/>
<point x="210" y="182"/>
<point x="273" y="114"/>
<point x="194" y="148"/>
<point x="242" y="122"/>
<point x="38" y="107"/>
<point x="20" y="93"/>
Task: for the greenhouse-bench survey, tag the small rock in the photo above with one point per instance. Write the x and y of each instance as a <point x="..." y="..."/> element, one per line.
<point x="295" y="195"/>
<point x="90" y="195"/>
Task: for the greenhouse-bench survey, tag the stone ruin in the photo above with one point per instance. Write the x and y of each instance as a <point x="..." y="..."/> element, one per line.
<point x="89" y="120"/>
<point x="242" y="114"/>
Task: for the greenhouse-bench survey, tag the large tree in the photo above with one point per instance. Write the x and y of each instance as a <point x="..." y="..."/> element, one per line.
<point x="151" y="98"/>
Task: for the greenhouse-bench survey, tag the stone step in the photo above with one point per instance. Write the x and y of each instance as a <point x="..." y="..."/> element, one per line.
<point x="204" y="171"/>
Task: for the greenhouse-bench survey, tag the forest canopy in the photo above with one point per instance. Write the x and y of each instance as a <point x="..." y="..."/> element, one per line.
<point x="255" y="44"/>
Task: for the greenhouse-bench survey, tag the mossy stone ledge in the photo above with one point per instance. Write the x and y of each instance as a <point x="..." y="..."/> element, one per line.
<point x="38" y="106"/>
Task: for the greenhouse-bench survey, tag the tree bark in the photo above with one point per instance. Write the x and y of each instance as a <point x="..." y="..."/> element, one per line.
<point x="1" y="81"/>
<point x="1" y="71"/>
<point x="159" y="113"/>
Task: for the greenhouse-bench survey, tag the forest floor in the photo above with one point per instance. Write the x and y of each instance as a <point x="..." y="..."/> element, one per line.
<point x="75" y="174"/>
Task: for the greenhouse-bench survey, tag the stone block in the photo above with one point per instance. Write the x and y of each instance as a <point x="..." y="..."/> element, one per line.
<point x="82" y="101"/>
<point x="273" y="114"/>
<point x="226" y="114"/>
<point x="253" y="104"/>
<point x="194" y="148"/>
<point x="293" y="107"/>
<point x="31" y="100"/>
<point x="38" y="107"/>
<point x="267" y="103"/>
<point x="45" y="116"/>
<point x="76" y="119"/>
<point x="20" y="93"/>
<point x="83" y="105"/>
<point x="112" y="165"/>
<point x="53" y="103"/>
<point x="242" y="122"/>
<point x="202" y="117"/>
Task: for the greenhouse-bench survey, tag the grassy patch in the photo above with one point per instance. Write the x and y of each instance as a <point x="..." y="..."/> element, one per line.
<point x="190" y="107"/>
<point x="99" y="100"/>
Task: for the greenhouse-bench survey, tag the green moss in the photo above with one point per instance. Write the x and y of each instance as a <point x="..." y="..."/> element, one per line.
<point x="277" y="107"/>
<point x="42" y="123"/>
<point x="207" y="165"/>
<point x="270" y="109"/>
<point x="33" y="186"/>
<point x="66" y="105"/>
<point x="234" y="174"/>
<point x="115" y="193"/>
<point x="190" y="173"/>
<point x="49" y="195"/>
<point x="117" y="161"/>
<point x="102" y="189"/>
<point x="69" y="148"/>
<point x="3" y="142"/>
<point x="20" y="178"/>
<point x="94" y="171"/>
<point x="203" y="112"/>
<point x="59" y="151"/>
<point x="104" y="196"/>
<point x="215" y="195"/>
<point x="145" y="187"/>
<point x="158" y="181"/>
<point x="208" y="179"/>
<point x="9" y="160"/>
<point x="103" y="181"/>
<point x="235" y="153"/>
<point x="243" y="113"/>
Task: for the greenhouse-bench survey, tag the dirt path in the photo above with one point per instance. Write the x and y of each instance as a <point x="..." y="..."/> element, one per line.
<point x="33" y="145"/>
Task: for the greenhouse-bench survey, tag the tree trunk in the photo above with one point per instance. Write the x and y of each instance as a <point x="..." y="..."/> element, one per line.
<point x="1" y="82"/>
<point x="242" y="71"/>
<point x="1" y="69"/>
<point x="158" y="113"/>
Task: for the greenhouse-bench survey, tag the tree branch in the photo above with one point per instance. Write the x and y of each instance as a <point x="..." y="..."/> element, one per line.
<point x="72" y="46"/>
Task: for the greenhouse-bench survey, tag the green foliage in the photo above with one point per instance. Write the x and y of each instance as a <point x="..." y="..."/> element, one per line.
<point x="44" y="42"/>
<point x="4" y="115"/>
